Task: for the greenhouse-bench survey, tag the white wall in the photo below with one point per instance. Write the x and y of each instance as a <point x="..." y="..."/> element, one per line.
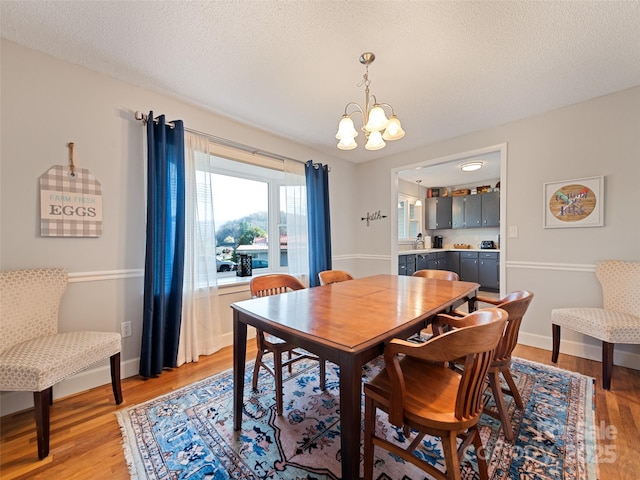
<point x="597" y="137"/>
<point x="47" y="103"/>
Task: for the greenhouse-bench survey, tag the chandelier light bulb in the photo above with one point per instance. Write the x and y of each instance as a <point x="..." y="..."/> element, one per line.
<point x="375" y="141"/>
<point x="394" y="129"/>
<point x="346" y="128"/>
<point x="347" y="143"/>
<point x="377" y="120"/>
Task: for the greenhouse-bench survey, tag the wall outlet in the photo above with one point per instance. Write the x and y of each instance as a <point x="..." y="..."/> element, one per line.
<point x="125" y="329"/>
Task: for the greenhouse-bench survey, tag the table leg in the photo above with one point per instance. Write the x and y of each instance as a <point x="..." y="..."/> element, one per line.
<point x="239" y="359"/>
<point x="350" y="417"/>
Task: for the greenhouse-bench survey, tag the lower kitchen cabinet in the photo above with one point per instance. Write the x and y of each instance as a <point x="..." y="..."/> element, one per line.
<point x="406" y="264"/>
<point x="469" y="267"/>
<point x="480" y="267"/>
<point x="489" y="270"/>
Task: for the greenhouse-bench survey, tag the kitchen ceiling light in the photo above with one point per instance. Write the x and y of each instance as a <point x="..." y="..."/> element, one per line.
<point x="376" y="126"/>
<point x="418" y="202"/>
<point x="471" y="166"/>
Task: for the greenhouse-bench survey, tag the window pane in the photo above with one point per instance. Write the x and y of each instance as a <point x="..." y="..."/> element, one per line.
<point x="241" y="216"/>
<point x="402" y="219"/>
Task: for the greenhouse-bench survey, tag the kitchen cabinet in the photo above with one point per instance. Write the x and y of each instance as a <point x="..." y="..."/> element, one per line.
<point x="453" y="262"/>
<point x="488" y="270"/>
<point x="475" y="211"/>
<point x="422" y="261"/>
<point x="407" y="264"/>
<point x="469" y="267"/>
<point x="438" y="213"/>
<point x="491" y="209"/>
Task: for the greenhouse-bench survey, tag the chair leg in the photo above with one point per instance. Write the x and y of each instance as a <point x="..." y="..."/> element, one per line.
<point x="555" y="330"/>
<point x="607" y="364"/>
<point x="256" y="369"/>
<point x="323" y="372"/>
<point x="494" y="383"/>
<point x="115" y="378"/>
<point x="481" y="453"/>
<point x="369" y="431"/>
<point x="277" y="369"/>
<point x="450" y="452"/>
<point x="41" y="401"/>
<point x="506" y="373"/>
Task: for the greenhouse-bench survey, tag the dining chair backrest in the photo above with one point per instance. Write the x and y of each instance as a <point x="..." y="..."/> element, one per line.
<point x="516" y="305"/>
<point x="474" y="343"/>
<point x="274" y="284"/>
<point x="333" y="276"/>
<point x="437" y="274"/>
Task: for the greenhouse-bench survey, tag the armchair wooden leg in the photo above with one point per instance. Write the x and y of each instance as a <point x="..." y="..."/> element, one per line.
<point x="450" y="452"/>
<point x="256" y="369"/>
<point x="607" y="364"/>
<point x="503" y="414"/>
<point x="41" y="401"/>
<point x="323" y="372"/>
<point x="369" y="432"/>
<point x="555" y="330"/>
<point x="513" y="390"/>
<point x="115" y="378"/>
<point x="481" y="453"/>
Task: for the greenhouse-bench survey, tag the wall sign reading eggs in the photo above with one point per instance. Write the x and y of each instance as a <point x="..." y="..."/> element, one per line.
<point x="70" y="203"/>
<point x="574" y="203"/>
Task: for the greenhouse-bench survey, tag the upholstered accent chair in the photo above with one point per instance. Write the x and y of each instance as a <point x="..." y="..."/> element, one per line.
<point x="333" y="276"/>
<point x="618" y="321"/>
<point x="264" y="286"/>
<point x="34" y="356"/>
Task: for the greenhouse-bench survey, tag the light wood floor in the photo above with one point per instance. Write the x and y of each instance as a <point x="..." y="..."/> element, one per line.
<point x="86" y="441"/>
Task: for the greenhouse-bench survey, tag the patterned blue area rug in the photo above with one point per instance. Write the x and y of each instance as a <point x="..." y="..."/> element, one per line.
<point x="188" y="433"/>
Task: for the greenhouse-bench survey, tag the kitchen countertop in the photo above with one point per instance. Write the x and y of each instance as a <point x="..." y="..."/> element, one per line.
<point x="435" y="250"/>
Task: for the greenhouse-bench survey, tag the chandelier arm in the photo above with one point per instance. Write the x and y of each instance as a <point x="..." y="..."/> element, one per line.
<point x="357" y="110"/>
<point x="385" y="105"/>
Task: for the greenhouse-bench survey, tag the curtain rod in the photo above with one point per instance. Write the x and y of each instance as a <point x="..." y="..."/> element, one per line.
<point x="144" y="118"/>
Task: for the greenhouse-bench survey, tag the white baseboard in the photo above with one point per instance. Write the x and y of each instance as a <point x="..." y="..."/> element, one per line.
<point x="577" y="349"/>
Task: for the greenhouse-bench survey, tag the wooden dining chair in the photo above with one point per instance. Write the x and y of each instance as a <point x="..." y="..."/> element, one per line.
<point x="333" y="276"/>
<point x="516" y="305"/>
<point x="264" y="286"/>
<point x="419" y="392"/>
<point x="437" y="274"/>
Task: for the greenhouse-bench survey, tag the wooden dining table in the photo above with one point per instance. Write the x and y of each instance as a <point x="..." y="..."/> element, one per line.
<point x="347" y="323"/>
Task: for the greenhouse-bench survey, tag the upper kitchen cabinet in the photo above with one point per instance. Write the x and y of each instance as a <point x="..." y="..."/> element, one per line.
<point x="476" y="211"/>
<point x="490" y="209"/>
<point x="438" y="213"/>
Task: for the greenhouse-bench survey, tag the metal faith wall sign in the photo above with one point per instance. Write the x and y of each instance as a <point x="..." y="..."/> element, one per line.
<point x="70" y="203"/>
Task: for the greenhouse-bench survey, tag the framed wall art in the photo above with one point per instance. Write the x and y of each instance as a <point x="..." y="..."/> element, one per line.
<point x="574" y="203"/>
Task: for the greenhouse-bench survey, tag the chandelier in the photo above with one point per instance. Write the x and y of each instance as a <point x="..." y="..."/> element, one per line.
<point x="376" y="126"/>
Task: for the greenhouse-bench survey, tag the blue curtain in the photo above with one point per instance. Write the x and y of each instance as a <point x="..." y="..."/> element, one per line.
<point x="317" y="177"/>
<point x="164" y="261"/>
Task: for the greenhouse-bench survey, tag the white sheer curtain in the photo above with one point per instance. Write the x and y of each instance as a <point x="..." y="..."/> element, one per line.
<point x="297" y="228"/>
<point x="200" y="331"/>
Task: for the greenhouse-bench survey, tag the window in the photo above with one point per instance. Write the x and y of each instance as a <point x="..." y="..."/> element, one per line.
<point x="249" y="214"/>
<point x="409" y="217"/>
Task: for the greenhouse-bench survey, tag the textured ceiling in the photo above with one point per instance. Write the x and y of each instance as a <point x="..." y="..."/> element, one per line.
<point x="447" y="67"/>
